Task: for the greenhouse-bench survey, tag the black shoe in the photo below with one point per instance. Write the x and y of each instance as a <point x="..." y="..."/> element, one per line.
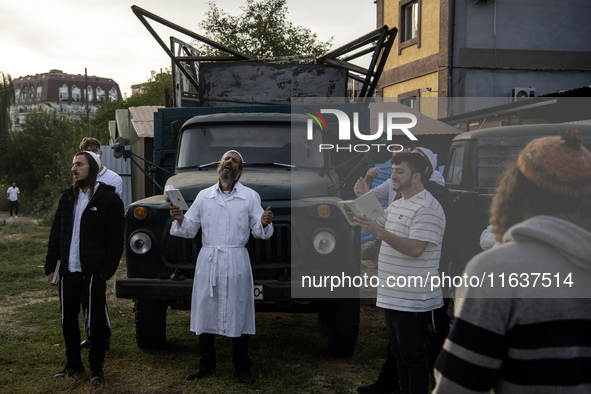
<point x="244" y="376"/>
<point x="96" y="375"/>
<point x="84" y="344"/>
<point x="200" y="373"/>
<point x="378" y="388"/>
<point x="69" y="370"/>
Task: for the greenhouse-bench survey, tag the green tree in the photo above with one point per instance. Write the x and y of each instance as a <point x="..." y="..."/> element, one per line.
<point x="153" y="93"/>
<point x="40" y="153"/>
<point x="261" y="31"/>
<point x="6" y="100"/>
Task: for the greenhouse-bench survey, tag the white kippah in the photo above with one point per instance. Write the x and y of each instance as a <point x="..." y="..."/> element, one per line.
<point x="234" y="151"/>
<point x="96" y="158"/>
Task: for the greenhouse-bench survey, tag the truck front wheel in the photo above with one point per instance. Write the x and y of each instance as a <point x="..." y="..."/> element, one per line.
<point x="339" y="325"/>
<point x="150" y="323"/>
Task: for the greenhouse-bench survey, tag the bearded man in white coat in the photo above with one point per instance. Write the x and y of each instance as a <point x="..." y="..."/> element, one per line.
<point x="223" y="295"/>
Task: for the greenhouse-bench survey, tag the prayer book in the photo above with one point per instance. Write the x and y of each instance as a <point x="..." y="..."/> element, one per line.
<point x="366" y="204"/>
<point x="56" y="273"/>
<point x="176" y="198"/>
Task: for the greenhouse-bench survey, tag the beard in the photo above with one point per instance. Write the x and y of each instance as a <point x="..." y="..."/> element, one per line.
<point x="226" y="178"/>
<point x="402" y="186"/>
<point x="82" y="183"/>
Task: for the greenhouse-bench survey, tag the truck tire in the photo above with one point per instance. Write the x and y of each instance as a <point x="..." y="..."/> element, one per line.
<point x="150" y="323"/>
<point x="339" y="325"/>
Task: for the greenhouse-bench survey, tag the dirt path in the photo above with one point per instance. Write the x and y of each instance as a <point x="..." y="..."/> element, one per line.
<point x="6" y="216"/>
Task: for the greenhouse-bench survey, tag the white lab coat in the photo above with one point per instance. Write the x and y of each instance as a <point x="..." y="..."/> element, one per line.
<point x="223" y="294"/>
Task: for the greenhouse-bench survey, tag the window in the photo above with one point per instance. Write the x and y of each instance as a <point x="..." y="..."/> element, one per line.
<point x="39" y="91"/>
<point x="76" y="93"/>
<point x="454" y="172"/>
<point x="113" y="94"/>
<point x="410" y="99"/>
<point x="89" y="95"/>
<point x="100" y="94"/>
<point x="260" y="143"/>
<point x="410" y="24"/>
<point x="411" y="21"/>
<point x="409" y="102"/>
<point x="63" y="93"/>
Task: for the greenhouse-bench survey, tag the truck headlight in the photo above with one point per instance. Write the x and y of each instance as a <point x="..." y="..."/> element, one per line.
<point x="324" y="242"/>
<point x="324" y="211"/>
<point x="140" y="243"/>
<point x="140" y="213"/>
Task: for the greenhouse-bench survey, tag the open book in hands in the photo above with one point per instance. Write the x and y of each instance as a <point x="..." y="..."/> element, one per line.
<point x="366" y="204"/>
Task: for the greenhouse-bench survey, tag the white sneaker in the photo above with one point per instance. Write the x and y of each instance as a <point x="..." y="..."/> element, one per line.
<point x="16" y="216"/>
<point x="10" y="220"/>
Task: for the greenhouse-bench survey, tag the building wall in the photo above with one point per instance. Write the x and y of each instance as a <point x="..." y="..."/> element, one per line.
<point x="65" y="92"/>
<point x="497" y="45"/>
<point x="417" y="70"/>
<point x="121" y="167"/>
<point x="503" y="44"/>
<point x="429" y="44"/>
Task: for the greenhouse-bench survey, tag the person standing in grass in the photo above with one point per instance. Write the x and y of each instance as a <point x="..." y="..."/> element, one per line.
<point x="222" y="302"/>
<point x="111" y="178"/>
<point x="87" y="238"/>
<point x="13" y="194"/>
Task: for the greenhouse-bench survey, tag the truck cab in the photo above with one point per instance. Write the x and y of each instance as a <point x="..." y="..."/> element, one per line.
<point x="299" y="183"/>
<point x="475" y="162"/>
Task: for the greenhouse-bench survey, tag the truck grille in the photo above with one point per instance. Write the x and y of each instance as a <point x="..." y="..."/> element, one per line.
<point x="270" y="259"/>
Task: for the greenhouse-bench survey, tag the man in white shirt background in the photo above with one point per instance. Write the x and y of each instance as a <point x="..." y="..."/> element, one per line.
<point x="105" y="175"/>
<point x="13" y="195"/>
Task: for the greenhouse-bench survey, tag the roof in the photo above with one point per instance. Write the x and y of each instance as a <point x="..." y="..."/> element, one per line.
<point x="544" y="109"/>
<point x="51" y="82"/>
<point x="142" y="120"/>
<point x="524" y="130"/>
<point x="425" y="124"/>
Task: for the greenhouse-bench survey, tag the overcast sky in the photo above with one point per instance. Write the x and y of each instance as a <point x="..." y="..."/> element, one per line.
<point x="106" y="38"/>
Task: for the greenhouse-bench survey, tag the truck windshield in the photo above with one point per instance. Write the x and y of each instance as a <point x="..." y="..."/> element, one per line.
<point x="257" y="143"/>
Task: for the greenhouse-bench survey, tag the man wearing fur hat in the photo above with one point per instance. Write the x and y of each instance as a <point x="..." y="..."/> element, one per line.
<point x="529" y="335"/>
<point x="87" y="239"/>
<point x="223" y="295"/>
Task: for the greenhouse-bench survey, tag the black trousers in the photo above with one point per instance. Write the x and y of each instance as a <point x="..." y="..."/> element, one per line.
<point x="14" y="207"/>
<point x="408" y="334"/>
<point x="240" y="357"/>
<point x="92" y="289"/>
<point x="438" y="330"/>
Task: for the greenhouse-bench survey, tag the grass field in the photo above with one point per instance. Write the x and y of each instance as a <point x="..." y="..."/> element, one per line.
<point x="287" y="351"/>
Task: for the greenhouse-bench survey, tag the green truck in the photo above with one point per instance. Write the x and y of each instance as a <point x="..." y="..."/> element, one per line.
<point x="246" y="105"/>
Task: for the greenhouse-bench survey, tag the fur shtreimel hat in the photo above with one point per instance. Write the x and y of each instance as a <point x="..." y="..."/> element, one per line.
<point x="561" y="165"/>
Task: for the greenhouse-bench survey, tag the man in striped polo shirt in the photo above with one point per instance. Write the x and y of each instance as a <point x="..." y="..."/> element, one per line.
<point x="412" y="232"/>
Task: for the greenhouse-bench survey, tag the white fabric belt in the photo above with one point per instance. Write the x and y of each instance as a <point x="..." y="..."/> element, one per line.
<point x="213" y="260"/>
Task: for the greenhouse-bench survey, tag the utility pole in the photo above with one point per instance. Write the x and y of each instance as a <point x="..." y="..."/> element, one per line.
<point x="87" y="110"/>
<point x="53" y="140"/>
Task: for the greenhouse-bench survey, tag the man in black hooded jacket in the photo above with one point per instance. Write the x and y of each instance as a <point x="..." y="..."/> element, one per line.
<point x="87" y="238"/>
